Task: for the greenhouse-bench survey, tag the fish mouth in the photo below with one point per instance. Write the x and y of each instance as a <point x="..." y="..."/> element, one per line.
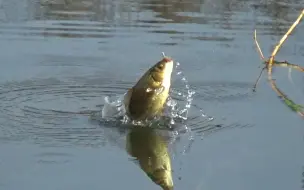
<point x="167" y="59"/>
<point x="168" y="64"/>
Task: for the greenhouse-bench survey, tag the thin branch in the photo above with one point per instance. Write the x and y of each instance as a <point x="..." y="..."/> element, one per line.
<point x="278" y="46"/>
<point x="287" y="101"/>
<point x="293" y="106"/>
<point x="269" y="63"/>
<point x="262" y="58"/>
<point x="258" y="46"/>
<point x="288" y="65"/>
<point x="258" y="79"/>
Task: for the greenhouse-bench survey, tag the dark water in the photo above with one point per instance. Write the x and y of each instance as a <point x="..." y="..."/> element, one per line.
<point x="67" y="55"/>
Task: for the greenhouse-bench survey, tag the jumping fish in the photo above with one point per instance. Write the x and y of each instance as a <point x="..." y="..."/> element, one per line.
<point x="147" y="97"/>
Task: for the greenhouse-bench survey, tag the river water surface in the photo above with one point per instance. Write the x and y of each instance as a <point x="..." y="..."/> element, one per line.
<point x="61" y="56"/>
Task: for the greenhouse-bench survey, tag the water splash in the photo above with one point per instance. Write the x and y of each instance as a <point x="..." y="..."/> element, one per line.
<point x="183" y="111"/>
<point x="175" y="116"/>
<point x="176" y="109"/>
<point x="113" y="108"/>
<point x="188" y="96"/>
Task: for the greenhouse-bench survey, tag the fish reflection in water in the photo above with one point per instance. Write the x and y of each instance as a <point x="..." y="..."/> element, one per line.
<point x="150" y="149"/>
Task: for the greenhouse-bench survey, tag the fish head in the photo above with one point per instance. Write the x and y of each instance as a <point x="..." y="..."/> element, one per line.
<point x="161" y="72"/>
<point x="163" y="178"/>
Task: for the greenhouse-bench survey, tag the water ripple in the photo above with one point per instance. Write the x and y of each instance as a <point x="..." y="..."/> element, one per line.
<point x="51" y="109"/>
<point x="53" y="158"/>
<point x="48" y="110"/>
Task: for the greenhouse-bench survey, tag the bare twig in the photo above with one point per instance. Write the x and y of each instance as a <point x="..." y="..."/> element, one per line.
<point x="269" y="63"/>
<point x="287" y="101"/>
<point x="293" y="106"/>
<point x="288" y="65"/>
<point x="258" y="46"/>
<point x="262" y="58"/>
<point x="275" y="63"/>
<point x="258" y="79"/>
<point x="278" y="46"/>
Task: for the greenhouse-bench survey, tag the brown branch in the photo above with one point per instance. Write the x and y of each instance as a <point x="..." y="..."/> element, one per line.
<point x="262" y="58"/>
<point x="258" y="46"/>
<point x="288" y="65"/>
<point x="269" y="63"/>
<point x="258" y="79"/>
<point x="279" y="45"/>
<point x="277" y="64"/>
<point x="287" y="101"/>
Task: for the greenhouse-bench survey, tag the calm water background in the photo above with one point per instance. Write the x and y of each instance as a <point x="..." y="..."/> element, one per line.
<point x="67" y="55"/>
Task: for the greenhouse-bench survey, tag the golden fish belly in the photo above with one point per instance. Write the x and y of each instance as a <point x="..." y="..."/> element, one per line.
<point x="143" y="105"/>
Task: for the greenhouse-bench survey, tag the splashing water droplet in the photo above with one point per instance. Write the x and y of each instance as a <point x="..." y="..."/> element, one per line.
<point x="210" y="118"/>
<point x="171" y="103"/>
<point x="188" y="96"/>
<point x="191" y="140"/>
<point x="112" y="109"/>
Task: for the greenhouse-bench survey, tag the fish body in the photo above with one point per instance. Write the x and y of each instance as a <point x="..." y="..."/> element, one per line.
<point x="151" y="151"/>
<point x="147" y="97"/>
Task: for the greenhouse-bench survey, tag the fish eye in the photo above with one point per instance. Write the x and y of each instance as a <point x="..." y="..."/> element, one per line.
<point x="160" y="66"/>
